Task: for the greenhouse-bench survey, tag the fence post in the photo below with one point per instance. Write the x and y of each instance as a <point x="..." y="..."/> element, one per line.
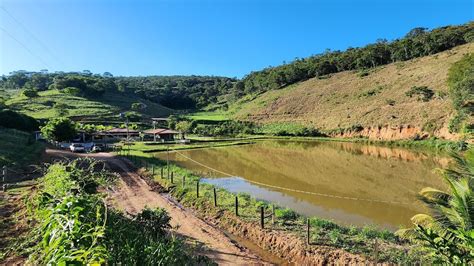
<point x="197" y="189"/>
<point x="273" y="214"/>
<point x="376" y="252"/>
<point x="215" y="197"/>
<point x="307" y="232"/>
<point x="184" y="181"/>
<point x="236" y="206"/>
<point x="172" y="175"/>
<point x="162" y="172"/>
<point x="146" y="165"/>
<point x="4" y="173"/>
<point x="262" y="218"/>
<point x="153" y="169"/>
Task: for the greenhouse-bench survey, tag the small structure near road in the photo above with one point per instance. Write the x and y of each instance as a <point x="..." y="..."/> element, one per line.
<point x="116" y="134"/>
<point x="161" y="134"/>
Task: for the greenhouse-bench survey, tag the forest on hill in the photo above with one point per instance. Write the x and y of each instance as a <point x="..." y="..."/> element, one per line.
<point x="418" y="42"/>
<point x="195" y="92"/>
<point x="175" y="92"/>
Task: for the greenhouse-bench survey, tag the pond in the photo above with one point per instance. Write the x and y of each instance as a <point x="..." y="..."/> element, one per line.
<point x="349" y="183"/>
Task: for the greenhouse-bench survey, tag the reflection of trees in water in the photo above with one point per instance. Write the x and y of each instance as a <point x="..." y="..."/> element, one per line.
<point x="364" y="149"/>
<point x="342" y="169"/>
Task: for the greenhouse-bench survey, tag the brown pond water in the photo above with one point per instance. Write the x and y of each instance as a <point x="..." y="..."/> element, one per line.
<point x="314" y="177"/>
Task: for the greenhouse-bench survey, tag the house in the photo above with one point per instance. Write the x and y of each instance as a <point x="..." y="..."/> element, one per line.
<point x="162" y="134"/>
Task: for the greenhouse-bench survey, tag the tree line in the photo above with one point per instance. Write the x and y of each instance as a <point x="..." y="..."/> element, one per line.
<point x="176" y="92"/>
<point x="416" y="43"/>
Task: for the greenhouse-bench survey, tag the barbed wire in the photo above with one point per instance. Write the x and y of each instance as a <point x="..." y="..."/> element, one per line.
<point x="290" y="189"/>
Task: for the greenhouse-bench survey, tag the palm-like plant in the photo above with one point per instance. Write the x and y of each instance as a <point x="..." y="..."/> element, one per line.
<point x="449" y="231"/>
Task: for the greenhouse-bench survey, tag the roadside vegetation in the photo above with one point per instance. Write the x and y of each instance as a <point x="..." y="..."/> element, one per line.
<point x="72" y="224"/>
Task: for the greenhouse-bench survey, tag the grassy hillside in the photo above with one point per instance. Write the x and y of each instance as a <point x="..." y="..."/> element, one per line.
<point x="106" y="106"/>
<point x="18" y="147"/>
<point x="361" y="99"/>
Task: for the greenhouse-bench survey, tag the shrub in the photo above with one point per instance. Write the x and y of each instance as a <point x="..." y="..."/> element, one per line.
<point x="72" y="91"/>
<point x="30" y="93"/>
<point x="286" y="214"/>
<point x="423" y="93"/>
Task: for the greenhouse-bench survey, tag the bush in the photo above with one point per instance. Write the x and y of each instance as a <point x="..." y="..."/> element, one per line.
<point x="30" y="93"/>
<point x="72" y="91"/>
<point x="423" y="93"/>
<point x="286" y="214"/>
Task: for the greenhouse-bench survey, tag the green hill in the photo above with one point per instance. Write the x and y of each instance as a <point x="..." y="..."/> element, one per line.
<point x="105" y="107"/>
<point x="373" y="103"/>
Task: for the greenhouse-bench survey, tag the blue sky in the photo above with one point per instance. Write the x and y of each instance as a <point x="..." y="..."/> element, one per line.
<point x="225" y="38"/>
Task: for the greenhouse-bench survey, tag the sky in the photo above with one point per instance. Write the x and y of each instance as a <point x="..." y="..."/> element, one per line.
<point x="209" y="37"/>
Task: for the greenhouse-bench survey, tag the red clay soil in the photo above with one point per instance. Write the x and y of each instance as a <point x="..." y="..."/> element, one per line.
<point x="133" y="193"/>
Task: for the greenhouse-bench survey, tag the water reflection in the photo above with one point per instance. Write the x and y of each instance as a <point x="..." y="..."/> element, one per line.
<point x="334" y="168"/>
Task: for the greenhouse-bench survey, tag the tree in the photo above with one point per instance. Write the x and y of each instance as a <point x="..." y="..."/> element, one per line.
<point x="449" y="231"/>
<point x="138" y="106"/>
<point x="59" y="129"/>
<point x="30" y="93"/>
<point x="184" y="127"/>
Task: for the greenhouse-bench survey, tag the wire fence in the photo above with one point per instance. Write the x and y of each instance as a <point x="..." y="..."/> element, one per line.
<point x="264" y="214"/>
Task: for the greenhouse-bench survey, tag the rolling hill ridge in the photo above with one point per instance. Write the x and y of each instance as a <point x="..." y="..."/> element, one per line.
<point x="376" y="103"/>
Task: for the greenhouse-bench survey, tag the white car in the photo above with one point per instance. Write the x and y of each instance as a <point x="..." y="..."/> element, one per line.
<point x="77" y="147"/>
<point x="98" y="147"/>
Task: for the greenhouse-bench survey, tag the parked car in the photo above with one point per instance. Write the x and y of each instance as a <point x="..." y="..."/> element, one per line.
<point x="77" y="147"/>
<point x="98" y="147"/>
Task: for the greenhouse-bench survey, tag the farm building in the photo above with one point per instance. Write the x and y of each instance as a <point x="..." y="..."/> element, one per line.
<point x="161" y="134"/>
<point x="117" y="133"/>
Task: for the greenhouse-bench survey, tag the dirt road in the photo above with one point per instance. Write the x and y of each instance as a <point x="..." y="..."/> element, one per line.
<point x="132" y="194"/>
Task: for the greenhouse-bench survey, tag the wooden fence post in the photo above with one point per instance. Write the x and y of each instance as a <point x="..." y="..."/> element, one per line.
<point x="262" y="217"/>
<point x="376" y="251"/>
<point x="172" y="175"/>
<point x="236" y="206"/>
<point x="215" y="197"/>
<point x="161" y="172"/>
<point x="273" y="214"/>
<point x="197" y="189"/>
<point x="307" y="232"/>
<point x="153" y="169"/>
<point x="4" y="173"/>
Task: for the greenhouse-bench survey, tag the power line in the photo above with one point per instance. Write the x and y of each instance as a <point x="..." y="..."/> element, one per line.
<point x="26" y="48"/>
<point x="45" y="47"/>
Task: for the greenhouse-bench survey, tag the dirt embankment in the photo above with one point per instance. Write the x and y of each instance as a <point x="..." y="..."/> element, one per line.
<point x="292" y="248"/>
<point x="395" y="133"/>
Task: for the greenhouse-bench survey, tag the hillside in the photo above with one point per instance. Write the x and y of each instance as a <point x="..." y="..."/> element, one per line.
<point x="369" y="103"/>
<point x="105" y="107"/>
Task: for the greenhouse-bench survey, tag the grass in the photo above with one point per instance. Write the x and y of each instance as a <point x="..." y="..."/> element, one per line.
<point x="358" y="240"/>
<point x="336" y="102"/>
<point x="18" y="148"/>
<point x="208" y="116"/>
<point x="107" y="106"/>
<point x="149" y="147"/>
